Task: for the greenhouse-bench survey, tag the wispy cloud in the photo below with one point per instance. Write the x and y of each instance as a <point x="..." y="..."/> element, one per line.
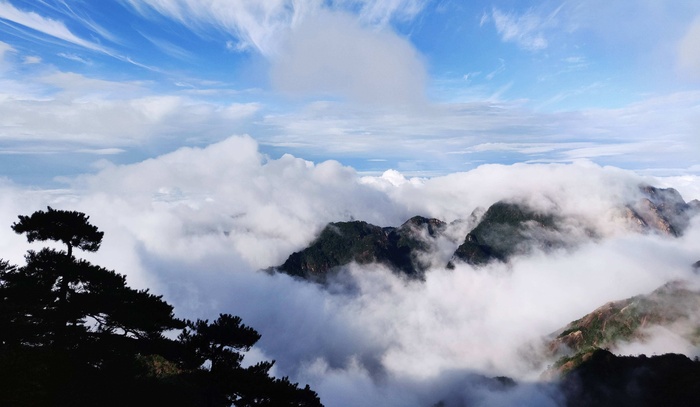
<point x="101" y="151"/>
<point x="527" y="30"/>
<point x="169" y="48"/>
<point x="32" y="59"/>
<point x="471" y="75"/>
<point x="74" y="57"/>
<point x="4" y="50"/>
<point x="261" y="24"/>
<point x="252" y="24"/>
<point x="382" y="11"/>
<point x="47" y="26"/>
<point x="689" y="51"/>
<point x="501" y="67"/>
<point x="14" y="18"/>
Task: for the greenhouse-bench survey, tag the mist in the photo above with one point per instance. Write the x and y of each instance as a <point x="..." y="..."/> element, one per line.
<point x="199" y="225"/>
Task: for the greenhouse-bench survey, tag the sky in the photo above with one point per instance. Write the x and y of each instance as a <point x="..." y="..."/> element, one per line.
<point x="210" y="140"/>
<point x="422" y="87"/>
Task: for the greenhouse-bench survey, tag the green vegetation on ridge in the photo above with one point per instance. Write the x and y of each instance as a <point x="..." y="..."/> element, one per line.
<point x="625" y="321"/>
<point x="341" y="243"/>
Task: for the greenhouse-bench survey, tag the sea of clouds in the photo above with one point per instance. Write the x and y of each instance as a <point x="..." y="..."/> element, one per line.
<point x="198" y="225"/>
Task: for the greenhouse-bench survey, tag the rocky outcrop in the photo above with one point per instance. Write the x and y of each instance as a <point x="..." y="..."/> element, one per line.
<point x="507" y="229"/>
<point x="661" y="210"/>
<point x="674" y="306"/>
<point x="341" y="243"/>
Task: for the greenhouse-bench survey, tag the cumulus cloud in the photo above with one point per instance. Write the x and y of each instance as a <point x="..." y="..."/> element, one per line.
<point x="344" y="47"/>
<point x="332" y="54"/>
<point x="197" y="224"/>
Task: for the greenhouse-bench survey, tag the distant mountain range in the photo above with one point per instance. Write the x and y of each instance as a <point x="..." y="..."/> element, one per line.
<point x="503" y="231"/>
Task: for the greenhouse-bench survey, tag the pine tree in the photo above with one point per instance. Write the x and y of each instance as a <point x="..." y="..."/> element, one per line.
<point x="74" y="334"/>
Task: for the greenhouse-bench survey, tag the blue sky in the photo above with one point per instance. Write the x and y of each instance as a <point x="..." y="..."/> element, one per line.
<point x="423" y="87"/>
<point x="210" y="139"/>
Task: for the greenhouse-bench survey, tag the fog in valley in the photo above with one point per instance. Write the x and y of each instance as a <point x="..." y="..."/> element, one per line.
<point x="202" y="226"/>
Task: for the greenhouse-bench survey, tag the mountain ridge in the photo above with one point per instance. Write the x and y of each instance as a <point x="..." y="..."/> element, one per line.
<point x="505" y="230"/>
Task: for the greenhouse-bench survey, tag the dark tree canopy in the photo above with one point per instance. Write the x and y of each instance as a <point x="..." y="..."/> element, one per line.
<point x="74" y="334"/>
<point x="69" y="227"/>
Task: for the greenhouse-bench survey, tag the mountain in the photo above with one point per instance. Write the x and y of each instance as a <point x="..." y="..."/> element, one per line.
<point x="662" y="210"/>
<point x="341" y="243"/>
<point x="506" y="229"/>
<point x="673" y="306"/>
<point x="604" y="379"/>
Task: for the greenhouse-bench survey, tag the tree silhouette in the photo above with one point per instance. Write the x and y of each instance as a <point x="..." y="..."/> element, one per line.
<point x="68" y="227"/>
<point x="74" y="334"/>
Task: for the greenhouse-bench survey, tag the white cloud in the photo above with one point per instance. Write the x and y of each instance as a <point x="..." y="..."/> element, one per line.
<point x="32" y="59"/>
<point x="500" y="69"/>
<point x="382" y="11"/>
<point x="452" y="137"/>
<point x="659" y="341"/>
<point x="254" y="24"/>
<point x="689" y="51"/>
<point x="332" y="54"/>
<point x="59" y="107"/>
<point x="53" y="28"/>
<point x="526" y="29"/>
<point x="169" y="48"/>
<point x="195" y="225"/>
<point x="261" y="25"/>
<point x="471" y="75"/>
<point x="101" y="151"/>
<point x="74" y="57"/>
<point x="344" y="47"/>
<point x="5" y="49"/>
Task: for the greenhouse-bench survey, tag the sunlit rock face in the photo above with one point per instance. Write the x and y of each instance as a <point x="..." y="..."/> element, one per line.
<point x="673" y="307"/>
<point x="662" y="211"/>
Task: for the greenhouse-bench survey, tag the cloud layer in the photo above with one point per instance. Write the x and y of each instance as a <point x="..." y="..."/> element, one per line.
<point x="196" y="225"/>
